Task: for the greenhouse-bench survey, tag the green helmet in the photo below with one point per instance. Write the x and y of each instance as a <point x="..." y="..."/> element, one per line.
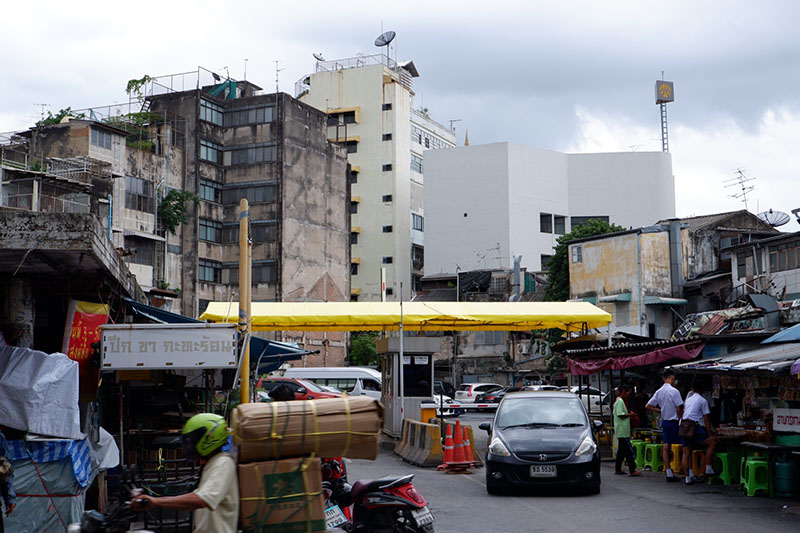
<point x="204" y="434"/>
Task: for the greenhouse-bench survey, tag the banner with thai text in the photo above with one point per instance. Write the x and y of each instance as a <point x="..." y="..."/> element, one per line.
<point x="81" y="330"/>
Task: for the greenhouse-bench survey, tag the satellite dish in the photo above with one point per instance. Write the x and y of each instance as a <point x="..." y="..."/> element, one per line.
<point x="385" y="38"/>
<point x="318" y="57"/>
<point x="774" y="218"/>
<point x="216" y="76"/>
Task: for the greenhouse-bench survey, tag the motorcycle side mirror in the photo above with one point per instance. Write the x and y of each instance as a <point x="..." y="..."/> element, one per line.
<point x="486" y="426"/>
<point x="597" y="424"/>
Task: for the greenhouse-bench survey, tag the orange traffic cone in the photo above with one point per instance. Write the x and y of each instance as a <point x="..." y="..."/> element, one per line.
<point x="458" y="446"/>
<point x="467" y="447"/>
<point x="448" y="448"/>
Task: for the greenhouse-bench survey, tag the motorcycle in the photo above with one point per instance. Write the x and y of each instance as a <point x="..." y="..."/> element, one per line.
<point x="390" y="504"/>
<point x="116" y="521"/>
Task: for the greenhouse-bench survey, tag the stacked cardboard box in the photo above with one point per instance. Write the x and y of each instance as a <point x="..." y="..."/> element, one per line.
<point x="279" y="445"/>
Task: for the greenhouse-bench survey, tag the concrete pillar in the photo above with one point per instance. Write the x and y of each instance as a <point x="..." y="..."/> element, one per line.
<point x="17" y="311"/>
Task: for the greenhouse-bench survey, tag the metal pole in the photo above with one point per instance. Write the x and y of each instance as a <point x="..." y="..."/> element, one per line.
<point x="244" y="300"/>
<point x="402" y="364"/>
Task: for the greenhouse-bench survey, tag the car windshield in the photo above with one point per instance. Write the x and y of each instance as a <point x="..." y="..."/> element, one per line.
<point x="310" y="385"/>
<point x="533" y="412"/>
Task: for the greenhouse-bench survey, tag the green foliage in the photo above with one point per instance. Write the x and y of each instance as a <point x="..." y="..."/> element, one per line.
<point x="362" y="349"/>
<point x="172" y="209"/>
<point x="37" y="166"/>
<point x="51" y="119"/>
<point x="135" y="86"/>
<point x="557" y="289"/>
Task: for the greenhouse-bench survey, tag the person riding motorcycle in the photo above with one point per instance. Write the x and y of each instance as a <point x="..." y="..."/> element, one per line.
<point x="215" y="501"/>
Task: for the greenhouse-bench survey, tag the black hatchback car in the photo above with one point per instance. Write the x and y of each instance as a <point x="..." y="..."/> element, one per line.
<point x="542" y="439"/>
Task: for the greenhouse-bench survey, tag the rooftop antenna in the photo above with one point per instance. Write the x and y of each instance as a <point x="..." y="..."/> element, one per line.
<point x="277" y="77"/>
<point x="245" y="69"/>
<point x="43" y="106"/>
<point x="453" y="121"/>
<point x="774" y="218"/>
<point x="740" y="180"/>
<point x="318" y="56"/>
<point x="384" y="39"/>
<point x="665" y="93"/>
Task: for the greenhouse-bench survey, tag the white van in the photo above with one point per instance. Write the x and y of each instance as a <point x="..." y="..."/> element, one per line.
<point x="354" y="380"/>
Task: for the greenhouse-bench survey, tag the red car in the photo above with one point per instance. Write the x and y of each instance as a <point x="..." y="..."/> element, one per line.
<point x="303" y="390"/>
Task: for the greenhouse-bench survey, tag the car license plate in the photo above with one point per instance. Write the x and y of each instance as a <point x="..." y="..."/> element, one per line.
<point x="543" y="471"/>
<point x="422" y="516"/>
<point x="334" y="517"/>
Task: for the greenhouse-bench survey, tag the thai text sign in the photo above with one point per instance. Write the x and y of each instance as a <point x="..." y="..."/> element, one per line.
<point x="786" y="420"/>
<point x="80" y="332"/>
<point x="160" y="346"/>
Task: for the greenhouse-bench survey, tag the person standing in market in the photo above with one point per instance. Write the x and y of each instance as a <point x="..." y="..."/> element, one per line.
<point x="215" y="501"/>
<point x="697" y="421"/>
<point x="622" y="430"/>
<point x="667" y="401"/>
<point x="6" y="481"/>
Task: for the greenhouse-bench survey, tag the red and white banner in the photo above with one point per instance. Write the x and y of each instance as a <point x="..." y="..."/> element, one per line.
<point x="786" y="420"/>
<point x="80" y="331"/>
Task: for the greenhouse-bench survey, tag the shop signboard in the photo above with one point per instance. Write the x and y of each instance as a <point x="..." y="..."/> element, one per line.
<point x="786" y="420"/>
<point x="80" y="332"/>
<point x="165" y="346"/>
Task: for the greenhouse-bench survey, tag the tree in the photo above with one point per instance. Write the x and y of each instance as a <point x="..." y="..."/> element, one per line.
<point x="172" y="209"/>
<point x="362" y="349"/>
<point x="557" y="289"/>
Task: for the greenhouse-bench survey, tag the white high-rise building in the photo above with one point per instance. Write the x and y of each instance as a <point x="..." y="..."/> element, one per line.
<point x="491" y="202"/>
<point x="369" y="102"/>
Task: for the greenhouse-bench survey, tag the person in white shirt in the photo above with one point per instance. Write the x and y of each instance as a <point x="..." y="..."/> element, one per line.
<point x="668" y="403"/>
<point x="697" y="410"/>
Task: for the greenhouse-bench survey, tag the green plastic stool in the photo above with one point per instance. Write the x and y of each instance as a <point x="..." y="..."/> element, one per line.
<point x="652" y="457"/>
<point x="638" y="449"/>
<point x="755" y="475"/>
<point x="724" y="464"/>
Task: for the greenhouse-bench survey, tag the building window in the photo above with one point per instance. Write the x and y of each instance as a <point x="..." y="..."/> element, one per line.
<point x="581" y="221"/>
<point x="243" y="117"/>
<point x="352" y="146"/>
<point x="387" y="260"/>
<point x="139" y="194"/>
<point x="253" y="155"/>
<point x="353" y="269"/>
<point x="211" y="112"/>
<point x="101" y="138"/>
<point x="386" y="107"/>
<point x="416" y="163"/>
<point x="353" y="176"/>
<point x="559" y="224"/>
<point x="546" y="262"/>
<point x="209" y="271"/>
<point x="353" y="237"/>
<point x="259" y="232"/>
<point x="254" y="194"/>
<point x="210" y="230"/>
<point x="417" y="222"/>
<point x="387" y="136"/>
<point x="387" y="198"/>
<point x="211" y="191"/>
<point x="741" y="264"/>
<point x="577" y="253"/>
<point x="489" y="338"/>
<point x="428" y="140"/>
<point x="142" y="251"/>
<point x="545" y="222"/>
<point x="354" y="297"/>
<point x="387" y="229"/>
<point x="389" y="291"/>
<point x="202" y="304"/>
<point x="417" y="257"/>
<point x="784" y="256"/>
<point x="347" y="117"/>
<point x="353" y="208"/>
<point x="210" y="151"/>
<point x="264" y="273"/>
<point x="387" y="167"/>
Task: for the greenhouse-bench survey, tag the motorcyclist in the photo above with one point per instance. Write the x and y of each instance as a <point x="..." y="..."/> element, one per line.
<point x="215" y="501"/>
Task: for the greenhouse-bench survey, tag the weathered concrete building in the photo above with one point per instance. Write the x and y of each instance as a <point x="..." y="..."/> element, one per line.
<point x="650" y="277"/>
<point x="768" y="266"/>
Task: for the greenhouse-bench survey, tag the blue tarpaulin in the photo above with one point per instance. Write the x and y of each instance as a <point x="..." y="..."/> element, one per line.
<point x="791" y="334"/>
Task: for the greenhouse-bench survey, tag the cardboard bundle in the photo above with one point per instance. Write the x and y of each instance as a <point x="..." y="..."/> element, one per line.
<point x="281" y="496"/>
<point x="335" y="427"/>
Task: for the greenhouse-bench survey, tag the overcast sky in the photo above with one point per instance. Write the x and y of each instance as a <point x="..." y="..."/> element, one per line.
<point x="561" y="75"/>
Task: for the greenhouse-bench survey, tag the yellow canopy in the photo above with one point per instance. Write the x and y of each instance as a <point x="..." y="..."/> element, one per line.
<point x="422" y="316"/>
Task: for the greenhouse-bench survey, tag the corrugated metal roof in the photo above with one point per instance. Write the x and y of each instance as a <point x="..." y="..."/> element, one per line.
<point x="771" y="358"/>
<point x="791" y="334"/>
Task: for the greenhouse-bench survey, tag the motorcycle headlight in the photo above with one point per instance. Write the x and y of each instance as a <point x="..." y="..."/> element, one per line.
<point x="587" y="447"/>
<point x="496" y="447"/>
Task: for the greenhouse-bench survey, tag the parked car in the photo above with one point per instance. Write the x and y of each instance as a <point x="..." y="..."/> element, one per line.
<point x="588" y="395"/>
<point x="542" y="439"/>
<point x="539" y="387"/>
<point x="443" y="387"/>
<point x="355" y="380"/>
<point x="467" y="392"/>
<point x="443" y="411"/>
<point x="303" y="390"/>
<point x="496" y="395"/>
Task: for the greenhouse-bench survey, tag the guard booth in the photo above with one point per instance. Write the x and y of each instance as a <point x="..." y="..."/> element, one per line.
<point x="417" y="368"/>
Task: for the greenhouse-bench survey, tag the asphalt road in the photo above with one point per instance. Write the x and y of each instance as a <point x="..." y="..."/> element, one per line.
<point x="460" y="502"/>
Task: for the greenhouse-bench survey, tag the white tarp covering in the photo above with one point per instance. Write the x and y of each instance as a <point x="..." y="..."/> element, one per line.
<point x="39" y="392"/>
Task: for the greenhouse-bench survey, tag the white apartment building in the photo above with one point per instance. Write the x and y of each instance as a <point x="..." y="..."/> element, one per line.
<point x="488" y="203"/>
<point x="369" y="102"/>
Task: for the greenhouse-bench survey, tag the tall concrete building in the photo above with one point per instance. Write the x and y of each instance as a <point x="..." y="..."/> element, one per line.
<point x="369" y="103"/>
<point x="220" y="141"/>
<point x="491" y="202"/>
